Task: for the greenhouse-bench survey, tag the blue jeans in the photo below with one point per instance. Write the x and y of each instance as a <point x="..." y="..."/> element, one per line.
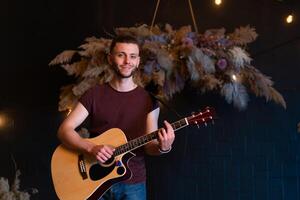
<point x="123" y="191"/>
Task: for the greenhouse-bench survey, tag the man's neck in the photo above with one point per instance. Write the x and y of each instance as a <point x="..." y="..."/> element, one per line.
<point x="123" y="84"/>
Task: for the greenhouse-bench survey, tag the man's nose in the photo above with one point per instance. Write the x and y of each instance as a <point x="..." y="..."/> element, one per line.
<point x="127" y="60"/>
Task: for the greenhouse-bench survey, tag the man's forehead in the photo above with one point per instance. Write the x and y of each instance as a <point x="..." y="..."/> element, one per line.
<point x="129" y="48"/>
<point x="126" y="45"/>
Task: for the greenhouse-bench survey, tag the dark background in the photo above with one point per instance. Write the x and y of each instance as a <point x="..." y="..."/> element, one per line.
<point x="251" y="154"/>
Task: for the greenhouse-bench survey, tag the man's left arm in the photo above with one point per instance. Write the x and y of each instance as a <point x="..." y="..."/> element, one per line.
<point x="166" y="135"/>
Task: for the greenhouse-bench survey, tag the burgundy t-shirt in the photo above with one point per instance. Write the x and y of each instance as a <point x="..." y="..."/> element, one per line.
<point x="109" y="108"/>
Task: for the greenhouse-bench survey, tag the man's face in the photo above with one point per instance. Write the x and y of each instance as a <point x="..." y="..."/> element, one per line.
<point x="125" y="59"/>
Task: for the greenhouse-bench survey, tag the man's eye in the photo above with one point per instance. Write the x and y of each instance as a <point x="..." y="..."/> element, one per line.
<point x="120" y="55"/>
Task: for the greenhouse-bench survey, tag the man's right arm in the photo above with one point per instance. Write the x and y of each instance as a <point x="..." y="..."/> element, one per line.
<point x="67" y="134"/>
<point x="71" y="139"/>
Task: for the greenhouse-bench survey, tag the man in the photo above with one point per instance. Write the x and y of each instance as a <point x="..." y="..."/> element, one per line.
<point x="121" y="103"/>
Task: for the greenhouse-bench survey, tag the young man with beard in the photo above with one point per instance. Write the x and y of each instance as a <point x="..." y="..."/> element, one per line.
<point x="120" y="103"/>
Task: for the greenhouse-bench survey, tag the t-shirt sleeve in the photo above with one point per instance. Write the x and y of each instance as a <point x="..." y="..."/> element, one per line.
<point x="154" y="102"/>
<point x="87" y="99"/>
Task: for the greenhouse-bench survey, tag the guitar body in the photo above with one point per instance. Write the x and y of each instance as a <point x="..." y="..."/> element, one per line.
<point x="77" y="176"/>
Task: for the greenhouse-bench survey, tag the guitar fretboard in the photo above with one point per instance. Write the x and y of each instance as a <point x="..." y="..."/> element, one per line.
<point x="142" y="140"/>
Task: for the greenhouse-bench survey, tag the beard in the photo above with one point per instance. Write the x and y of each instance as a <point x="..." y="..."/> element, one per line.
<point x="119" y="73"/>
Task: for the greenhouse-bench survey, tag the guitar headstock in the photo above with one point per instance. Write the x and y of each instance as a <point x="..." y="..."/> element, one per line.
<point x="202" y="117"/>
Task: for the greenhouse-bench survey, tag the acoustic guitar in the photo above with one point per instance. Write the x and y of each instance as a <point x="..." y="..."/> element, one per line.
<point x="77" y="176"/>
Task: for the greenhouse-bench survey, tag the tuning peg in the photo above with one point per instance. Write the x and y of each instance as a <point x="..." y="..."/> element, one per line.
<point x="212" y="121"/>
<point x="200" y="111"/>
<point x="204" y="122"/>
<point x="197" y="124"/>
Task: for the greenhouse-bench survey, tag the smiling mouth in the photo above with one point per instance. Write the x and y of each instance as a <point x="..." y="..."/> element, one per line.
<point x="124" y="71"/>
<point x="126" y="67"/>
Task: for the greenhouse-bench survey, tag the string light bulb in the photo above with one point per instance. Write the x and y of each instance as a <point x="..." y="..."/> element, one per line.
<point x="2" y="121"/>
<point x="218" y="2"/>
<point x="234" y="78"/>
<point x="69" y="111"/>
<point x="289" y="19"/>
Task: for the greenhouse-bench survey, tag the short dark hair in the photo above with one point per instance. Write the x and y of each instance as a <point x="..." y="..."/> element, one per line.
<point x="123" y="39"/>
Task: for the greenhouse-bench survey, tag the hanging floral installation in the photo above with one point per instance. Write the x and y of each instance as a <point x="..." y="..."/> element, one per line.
<point x="170" y="59"/>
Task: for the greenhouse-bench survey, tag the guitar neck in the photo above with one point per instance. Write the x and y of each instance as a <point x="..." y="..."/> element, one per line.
<point x="142" y="140"/>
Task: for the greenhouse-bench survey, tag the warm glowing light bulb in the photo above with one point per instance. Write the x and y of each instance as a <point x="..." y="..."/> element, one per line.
<point x="289" y="19"/>
<point x="69" y="111"/>
<point x="2" y="121"/>
<point x="218" y="2"/>
<point x="234" y="77"/>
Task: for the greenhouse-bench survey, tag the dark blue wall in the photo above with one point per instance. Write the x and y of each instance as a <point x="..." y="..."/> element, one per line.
<point x="245" y="155"/>
<point x="252" y="154"/>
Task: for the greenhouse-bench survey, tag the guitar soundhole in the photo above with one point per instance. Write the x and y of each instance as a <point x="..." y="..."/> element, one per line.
<point x="98" y="172"/>
<point x="120" y="170"/>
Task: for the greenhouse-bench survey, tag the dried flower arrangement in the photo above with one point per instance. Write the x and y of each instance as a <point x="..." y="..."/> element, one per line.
<point x="170" y="59"/>
<point x="13" y="193"/>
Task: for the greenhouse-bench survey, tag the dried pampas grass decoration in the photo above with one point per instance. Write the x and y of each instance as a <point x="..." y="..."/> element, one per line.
<point x="243" y="35"/>
<point x="239" y="57"/>
<point x="12" y="191"/>
<point x="235" y="93"/>
<point x="172" y="58"/>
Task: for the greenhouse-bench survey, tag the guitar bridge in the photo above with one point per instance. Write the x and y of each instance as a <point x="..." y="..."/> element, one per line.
<point x="82" y="167"/>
